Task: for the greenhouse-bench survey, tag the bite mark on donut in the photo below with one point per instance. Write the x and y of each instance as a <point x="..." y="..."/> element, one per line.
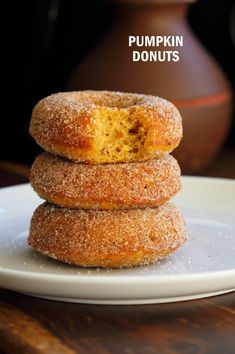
<point x="120" y="135"/>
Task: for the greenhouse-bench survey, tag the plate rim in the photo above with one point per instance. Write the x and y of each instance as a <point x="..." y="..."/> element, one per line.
<point x="174" y="278"/>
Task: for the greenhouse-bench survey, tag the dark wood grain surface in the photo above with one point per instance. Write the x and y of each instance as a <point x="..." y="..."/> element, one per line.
<point x="29" y="325"/>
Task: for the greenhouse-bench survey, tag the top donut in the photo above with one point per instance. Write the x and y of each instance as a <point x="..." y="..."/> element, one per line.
<point x="106" y="126"/>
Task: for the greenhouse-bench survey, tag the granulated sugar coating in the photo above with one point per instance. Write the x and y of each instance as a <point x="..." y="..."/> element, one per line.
<point x="106" y="127"/>
<point x="96" y="238"/>
<point x="106" y="186"/>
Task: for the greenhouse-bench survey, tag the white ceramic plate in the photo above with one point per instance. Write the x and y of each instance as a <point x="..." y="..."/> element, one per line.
<point x="205" y="266"/>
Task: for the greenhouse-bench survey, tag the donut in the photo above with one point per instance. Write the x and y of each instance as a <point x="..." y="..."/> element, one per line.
<point x="111" y="186"/>
<point x="112" y="239"/>
<point x="105" y="126"/>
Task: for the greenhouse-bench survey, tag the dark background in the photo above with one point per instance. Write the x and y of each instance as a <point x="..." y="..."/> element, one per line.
<point x="43" y="42"/>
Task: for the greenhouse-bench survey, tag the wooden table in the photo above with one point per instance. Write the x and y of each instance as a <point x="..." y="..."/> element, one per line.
<point x="29" y="325"/>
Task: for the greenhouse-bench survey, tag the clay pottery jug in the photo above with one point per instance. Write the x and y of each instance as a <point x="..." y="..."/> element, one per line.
<point x="195" y="83"/>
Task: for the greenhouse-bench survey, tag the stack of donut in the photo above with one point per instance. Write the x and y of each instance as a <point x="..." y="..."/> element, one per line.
<point x="107" y="176"/>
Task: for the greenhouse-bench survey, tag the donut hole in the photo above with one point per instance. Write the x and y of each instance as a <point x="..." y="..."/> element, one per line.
<point x="119" y="135"/>
<point x="108" y="99"/>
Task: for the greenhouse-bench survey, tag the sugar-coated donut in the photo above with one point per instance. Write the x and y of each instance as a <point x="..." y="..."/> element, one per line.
<point x="106" y="127"/>
<point x="111" y="186"/>
<point x="98" y="238"/>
